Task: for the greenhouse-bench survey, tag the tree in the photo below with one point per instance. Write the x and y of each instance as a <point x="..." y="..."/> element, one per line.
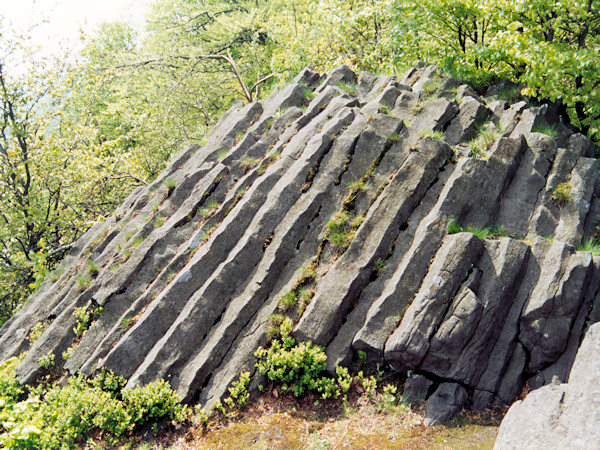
<point x="550" y="46"/>
<point x="59" y="172"/>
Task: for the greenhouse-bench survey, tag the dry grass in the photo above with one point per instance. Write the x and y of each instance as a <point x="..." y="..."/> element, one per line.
<point x="360" y="423"/>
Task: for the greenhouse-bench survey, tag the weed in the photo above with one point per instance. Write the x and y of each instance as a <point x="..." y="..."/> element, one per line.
<point x="309" y="94"/>
<point x="394" y="137"/>
<point x="239" y="136"/>
<point x="92" y="268"/>
<point x="481" y="143"/>
<point x="590" y="245"/>
<point x="357" y="221"/>
<point x="337" y="234"/>
<point x="47" y="361"/>
<point x="85" y="315"/>
<point x="490" y="232"/>
<point x="83" y="281"/>
<point x="36" y="331"/>
<point x="248" y="162"/>
<point x="562" y="194"/>
<point x="362" y="356"/>
<point x="127" y="322"/>
<point x="170" y="184"/>
<point x="430" y="86"/>
<point x="359" y="186"/>
<point x="384" y="110"/>
<point x="379" y="266"/>
<point x="288" y="301"/>
<point x="418" y="107"/>
<point x="68" y="352"/>
<point x="159" y="221"/>
<point x="454" y="227"/>
<point x="222" y="154"/>
<point x="549" y="130"/>
<point x="509" y="94"/>
<point x="428" y="133"/>
<point x="350" y="88"/>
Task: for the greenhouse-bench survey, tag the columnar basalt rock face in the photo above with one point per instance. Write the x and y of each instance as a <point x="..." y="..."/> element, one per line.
<point x="192" y="267"/>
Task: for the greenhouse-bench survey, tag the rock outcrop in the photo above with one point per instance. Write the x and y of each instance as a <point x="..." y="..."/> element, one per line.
<point x="338" y="191"/>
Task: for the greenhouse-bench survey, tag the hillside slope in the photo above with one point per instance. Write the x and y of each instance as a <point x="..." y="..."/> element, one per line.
<point x="346" y="203"/>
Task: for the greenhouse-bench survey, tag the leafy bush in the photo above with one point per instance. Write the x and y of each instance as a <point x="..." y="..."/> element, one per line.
<point x="299" y="367"/>
<point x="10" y="389"/>
<point x="153" y="402"/>
<point x="61" y="417"/>
<point x="85" y="318"/>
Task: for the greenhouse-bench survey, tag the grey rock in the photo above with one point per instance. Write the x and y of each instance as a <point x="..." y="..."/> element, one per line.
<point x="463" y="127"/>
<point x="435" y="115"/>
<point x="444" y="404"/>
<point x="416" y="388"/>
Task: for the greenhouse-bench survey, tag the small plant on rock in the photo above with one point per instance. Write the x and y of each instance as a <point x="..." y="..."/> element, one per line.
<point x="428" y="133"/>
<point x="562" y="194"/>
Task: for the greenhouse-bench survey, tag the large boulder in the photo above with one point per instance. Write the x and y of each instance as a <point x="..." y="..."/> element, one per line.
<point x="559" y="415"/>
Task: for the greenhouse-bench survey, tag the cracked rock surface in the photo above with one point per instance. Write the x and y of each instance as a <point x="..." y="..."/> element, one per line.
<point x="342" y="198"/>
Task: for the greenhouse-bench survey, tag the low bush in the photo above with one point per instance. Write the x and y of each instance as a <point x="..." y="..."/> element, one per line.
<point x="298" y="368"/>
<point x="65" y="417"/>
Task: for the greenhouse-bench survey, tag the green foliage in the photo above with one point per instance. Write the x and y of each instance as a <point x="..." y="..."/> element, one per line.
<point x="153" y="402"/>
<point x="590" y="245"/>
<point x="47" y="361"/>
<point x="454" y="227"/>
<point x="36" y="331"/>
<point x="338" y="232"/>
<point x="379" y="266"/>
<point x="85" y="316"/>
<point x="92" y="268"/>
<point x="350" y="88"/>
<point x="547" y="45"/>
<point x="481" y="143"/>
<point x="489" y="232"/>
<point x="238" y="395"/>
<point x="561" y="195"/>
<point x="298" y="368"/>
<point x="549" y="130"/>
<point x="170" y="184"/>
<point x="10" y="389"/>
<point x="61" y="417"/>
<point x="384" y="110"/>
<point x="427" y="133"/>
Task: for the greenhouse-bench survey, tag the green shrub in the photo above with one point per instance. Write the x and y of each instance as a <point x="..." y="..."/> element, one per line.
<point x="298" y="368"/>
<point x="85" y="318"/>
<point x="10" y="389"/>
<point x="153" y="402"/>
<point x="47" y="361"/>
<point x="36" y="331"/>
